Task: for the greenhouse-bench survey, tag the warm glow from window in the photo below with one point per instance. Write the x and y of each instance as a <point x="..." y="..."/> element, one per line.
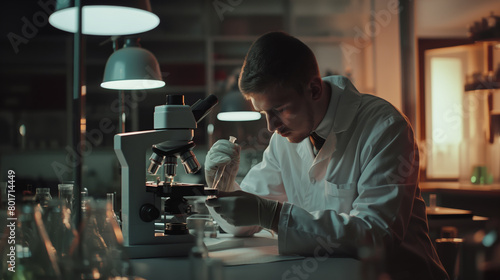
<point x="444" y="117"/>
<point x="446" y="94"/>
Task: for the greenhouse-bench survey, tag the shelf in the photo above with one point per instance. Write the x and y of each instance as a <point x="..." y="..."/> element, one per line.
<point x="233" y="38"/>
<point x="257" y="8"/>
<point x="324" y="39"/>
<point x="179" y="60"/>
<point x="482" y="85"/>
<point x="181" y="12"/>
<point x="178" y="38"/>
<point x="228" y="62"/>
<point x="184" y="89"/>
<point x="180" y="8"/>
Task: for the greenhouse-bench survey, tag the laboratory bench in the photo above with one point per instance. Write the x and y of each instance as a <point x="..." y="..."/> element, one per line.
<point x="456" y="187"/>
<point x="250" y="258"/>
<point x="462" y="207"/>
<point x="179" y="269"/>
<point x="481" y="200"/>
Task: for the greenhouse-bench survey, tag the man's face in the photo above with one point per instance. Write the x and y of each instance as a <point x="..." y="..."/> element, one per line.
<point x="288" y="112"/>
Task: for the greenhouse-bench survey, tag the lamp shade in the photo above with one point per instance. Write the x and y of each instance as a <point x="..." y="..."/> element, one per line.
<point x="132" y="68"/>
<point x="105" y="17"/>
<point x="236" y="108"/>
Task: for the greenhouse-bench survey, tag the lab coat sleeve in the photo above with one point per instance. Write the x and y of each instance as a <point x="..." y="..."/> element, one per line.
<point x="380" y="212"/>
<point x="264" y="179"/>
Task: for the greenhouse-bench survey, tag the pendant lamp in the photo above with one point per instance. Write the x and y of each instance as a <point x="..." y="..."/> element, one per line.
<point x="105" y="17"/>
<point x="236" y="108"/>
<point x="132" y="68"/>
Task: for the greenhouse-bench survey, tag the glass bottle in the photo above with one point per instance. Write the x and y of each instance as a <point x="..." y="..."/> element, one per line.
<point x="84" y="199"/>
<point x="42" y="197"/>
<point x="89" y="252"/>
<point x="61" y="231"/>
<point x="30" y="255"/>
<point x="119" y="263"/>
<point x="110" y="197"/>
<point x="66" y="193"/>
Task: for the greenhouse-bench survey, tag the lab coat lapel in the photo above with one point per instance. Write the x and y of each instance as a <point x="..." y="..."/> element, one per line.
<point x="305" y="151"/>
<point x="349" y="100"/>
<point x="322" y="159"/>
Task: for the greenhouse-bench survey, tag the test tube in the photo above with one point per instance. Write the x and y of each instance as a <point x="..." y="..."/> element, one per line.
<point x="66" y="193"/>
<point x="220" y="171"/>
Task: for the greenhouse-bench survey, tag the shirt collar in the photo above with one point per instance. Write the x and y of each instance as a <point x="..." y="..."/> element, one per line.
<point x="342" y="91"/>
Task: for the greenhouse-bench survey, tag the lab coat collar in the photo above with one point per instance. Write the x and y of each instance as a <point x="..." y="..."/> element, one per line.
<point x="345" y="101"/>
<point x="348" y="98"/>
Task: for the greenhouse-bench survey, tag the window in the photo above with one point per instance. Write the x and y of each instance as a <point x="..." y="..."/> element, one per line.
<point x="444" y="122"/>
<point x="459" y="130"/>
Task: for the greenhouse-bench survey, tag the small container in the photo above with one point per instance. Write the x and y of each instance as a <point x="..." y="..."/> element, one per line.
<point x="66" y="194"/>
<point x="42" y="197"/>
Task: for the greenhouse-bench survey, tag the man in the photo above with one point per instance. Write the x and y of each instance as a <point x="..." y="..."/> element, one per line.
<point x="358" y="189"/>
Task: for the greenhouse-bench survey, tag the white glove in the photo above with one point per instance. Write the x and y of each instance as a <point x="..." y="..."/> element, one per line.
<point x="240" y="208"/>
<point x="223" y="153"/>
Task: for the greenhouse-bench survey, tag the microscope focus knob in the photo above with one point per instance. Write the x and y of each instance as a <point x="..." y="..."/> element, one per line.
<point x="149" y="212"/>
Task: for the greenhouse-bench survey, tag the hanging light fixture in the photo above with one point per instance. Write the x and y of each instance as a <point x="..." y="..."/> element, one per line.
<point x="132" y="68"/>
<point x="236" y="108"/>
<point x="105" y="17"/>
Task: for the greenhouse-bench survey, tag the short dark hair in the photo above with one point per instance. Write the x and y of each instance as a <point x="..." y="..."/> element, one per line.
<point x="277" y="59"/>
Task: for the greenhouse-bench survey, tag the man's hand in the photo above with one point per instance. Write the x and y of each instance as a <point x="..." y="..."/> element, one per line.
<point x="240" y="208"/>
<point x="223" y="153"/>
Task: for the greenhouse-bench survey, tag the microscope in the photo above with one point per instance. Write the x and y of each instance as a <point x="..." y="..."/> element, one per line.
<point x="148" y="204"/>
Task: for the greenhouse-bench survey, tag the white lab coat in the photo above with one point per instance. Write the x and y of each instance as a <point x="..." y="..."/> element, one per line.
<point x="360" y="191"/>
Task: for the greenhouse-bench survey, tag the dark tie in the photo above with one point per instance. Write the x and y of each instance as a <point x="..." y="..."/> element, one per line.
<point x="316" y="140"/>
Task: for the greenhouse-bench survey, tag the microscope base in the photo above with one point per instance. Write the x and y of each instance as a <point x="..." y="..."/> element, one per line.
<point x="158" y="250"/>
<point x="178" y="249"/>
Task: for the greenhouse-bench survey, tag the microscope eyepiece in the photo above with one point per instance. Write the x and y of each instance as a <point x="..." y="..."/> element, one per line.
<point x="201" y="108"/>
<point x="175" y="99"/>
